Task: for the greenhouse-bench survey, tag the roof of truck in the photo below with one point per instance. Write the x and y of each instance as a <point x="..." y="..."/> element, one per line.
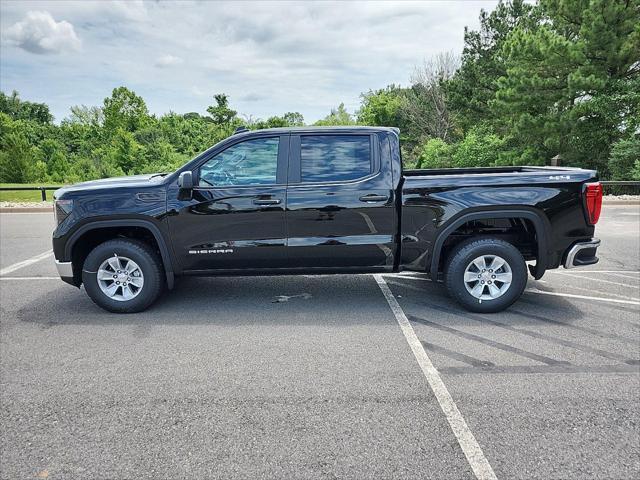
<point x="341" y="129"/>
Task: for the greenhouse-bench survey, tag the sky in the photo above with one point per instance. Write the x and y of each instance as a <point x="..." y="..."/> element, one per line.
<point x="269" y="57"/>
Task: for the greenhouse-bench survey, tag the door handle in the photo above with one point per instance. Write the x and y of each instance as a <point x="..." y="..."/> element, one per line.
<point x="266" y="201"/>
<point x="374" y="198"/>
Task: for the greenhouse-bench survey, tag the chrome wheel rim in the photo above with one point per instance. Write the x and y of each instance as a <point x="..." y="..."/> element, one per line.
<point x="120" y="278"/>
<point x="488" y="277"/>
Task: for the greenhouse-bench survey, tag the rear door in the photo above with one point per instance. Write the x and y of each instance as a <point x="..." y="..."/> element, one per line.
<point x="235" y="218"/>
<point x="340" y="203"/>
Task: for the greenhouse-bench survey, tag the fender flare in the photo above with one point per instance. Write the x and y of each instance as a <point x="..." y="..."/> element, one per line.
<point x="155" y="231"/>
<point x="539" y="223"/>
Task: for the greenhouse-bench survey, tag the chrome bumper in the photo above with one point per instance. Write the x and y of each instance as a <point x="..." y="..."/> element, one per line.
<point x="65" y="269"/>
<point x="576" y="254"/>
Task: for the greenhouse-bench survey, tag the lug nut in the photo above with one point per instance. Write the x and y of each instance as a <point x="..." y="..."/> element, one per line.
<point x="490" y="271"/>
<point x="493" y="276"/>
<point x="488" y="281"/>
<point x="115" y="276"/>
<point x="482" y="282"/>
<point x="117" y="283"/>
<point x="483" y="270"/>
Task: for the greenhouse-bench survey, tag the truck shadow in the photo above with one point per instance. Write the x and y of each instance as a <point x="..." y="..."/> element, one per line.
<point x="294" y="300"/>
<point x="274" y="300"/>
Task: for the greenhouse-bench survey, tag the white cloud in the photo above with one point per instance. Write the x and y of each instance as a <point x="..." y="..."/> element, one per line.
<point x="269" y="57"/>
<point x="39" y="33"/>
<point x="167" y="61"/>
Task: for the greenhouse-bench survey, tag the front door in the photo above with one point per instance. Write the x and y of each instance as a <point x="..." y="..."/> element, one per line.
<point x="340" y="203"/>
<point x="235" y="218"/>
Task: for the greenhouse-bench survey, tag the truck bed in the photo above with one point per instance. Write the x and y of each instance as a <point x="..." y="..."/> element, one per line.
<point x="496" y="176"/>
<point x="488" y="170"/>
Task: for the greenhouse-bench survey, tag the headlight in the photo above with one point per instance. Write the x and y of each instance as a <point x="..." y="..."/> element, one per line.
<point x="62" y="209"/>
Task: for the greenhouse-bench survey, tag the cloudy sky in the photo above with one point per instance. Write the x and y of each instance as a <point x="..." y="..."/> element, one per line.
<point x="269" y="57"/>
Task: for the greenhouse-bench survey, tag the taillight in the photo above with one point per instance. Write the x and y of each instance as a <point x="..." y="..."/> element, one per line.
<point x="593" y="201"/>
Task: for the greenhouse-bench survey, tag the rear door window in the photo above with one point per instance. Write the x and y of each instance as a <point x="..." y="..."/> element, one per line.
<point x="334" y="158"/>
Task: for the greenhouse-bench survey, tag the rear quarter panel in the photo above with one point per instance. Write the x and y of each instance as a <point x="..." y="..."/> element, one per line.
<point x="431" y="203"/>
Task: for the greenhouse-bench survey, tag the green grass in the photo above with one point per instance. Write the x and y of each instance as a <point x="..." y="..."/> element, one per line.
<point x="26" y="195"/>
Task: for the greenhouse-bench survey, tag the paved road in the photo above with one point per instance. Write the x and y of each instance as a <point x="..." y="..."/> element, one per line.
<point x="312" y="377"/>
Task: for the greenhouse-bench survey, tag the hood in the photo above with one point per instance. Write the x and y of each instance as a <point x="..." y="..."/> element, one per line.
<point x="107" y="183"/>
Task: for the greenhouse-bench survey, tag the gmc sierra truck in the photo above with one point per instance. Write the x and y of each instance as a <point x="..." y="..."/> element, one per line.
<point x="324" y="200"/>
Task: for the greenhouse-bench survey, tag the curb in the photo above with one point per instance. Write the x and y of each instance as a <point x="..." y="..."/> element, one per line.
<point x="620" y="202"/>
<point x="26" y="210"/>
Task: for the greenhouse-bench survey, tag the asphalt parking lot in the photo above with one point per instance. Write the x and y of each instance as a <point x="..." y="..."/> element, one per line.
<point x="313" y="377"/>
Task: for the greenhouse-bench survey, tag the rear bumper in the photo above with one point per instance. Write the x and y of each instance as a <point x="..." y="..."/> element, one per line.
<point x="582" y="253"/>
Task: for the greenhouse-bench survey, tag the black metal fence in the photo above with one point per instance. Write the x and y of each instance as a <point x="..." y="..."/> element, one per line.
<point x="43" y="190"/>
<point x="610" y="187"/>
<point x="620" y="187"/>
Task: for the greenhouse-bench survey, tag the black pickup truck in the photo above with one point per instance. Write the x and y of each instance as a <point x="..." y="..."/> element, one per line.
<point x="324" y="200"/>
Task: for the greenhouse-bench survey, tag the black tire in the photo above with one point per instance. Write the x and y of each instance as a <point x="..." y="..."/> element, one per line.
<point x="465" y="253"/>
<point x="149" y="263"/>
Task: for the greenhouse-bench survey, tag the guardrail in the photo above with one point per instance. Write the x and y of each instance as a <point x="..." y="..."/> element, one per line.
<point x="43" y="190"/>
<point x="621" y="187"/>
<point x="633" y="184"/>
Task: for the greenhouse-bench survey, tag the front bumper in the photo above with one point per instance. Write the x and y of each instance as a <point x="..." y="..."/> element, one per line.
<point x="65" y="270"/>
<point x="582" y="253"/>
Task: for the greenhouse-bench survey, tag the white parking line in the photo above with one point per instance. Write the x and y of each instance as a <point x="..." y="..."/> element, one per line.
<point x="623" y="275"/>
<point x="593" y="290"/>
<point x="583" y="297"/>
<point x="405" y="275"/>
<point x="25" y="263"/>
<point x="582" y="277"/>
<point x="478" y="462"/>
<point x="29" y="278"/>
<point x="597" y="271"/>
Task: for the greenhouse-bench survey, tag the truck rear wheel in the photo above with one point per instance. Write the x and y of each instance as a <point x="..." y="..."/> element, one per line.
<point x="486" y="274"/>
<point x="123" y="276"/>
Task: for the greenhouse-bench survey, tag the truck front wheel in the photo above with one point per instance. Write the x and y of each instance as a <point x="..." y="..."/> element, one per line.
<point x="485" y="274"/>
<point x="123" y="276"/>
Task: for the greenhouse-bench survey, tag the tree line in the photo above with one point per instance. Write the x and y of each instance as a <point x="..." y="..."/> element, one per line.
<point x="556" y="79"/>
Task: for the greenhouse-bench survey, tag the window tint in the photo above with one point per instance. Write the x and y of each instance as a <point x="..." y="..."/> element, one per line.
<point x="253" y="162"/>
<point x="331" y="158"/>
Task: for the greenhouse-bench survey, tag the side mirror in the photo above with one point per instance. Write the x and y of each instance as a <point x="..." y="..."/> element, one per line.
<point x="185" y="181"/>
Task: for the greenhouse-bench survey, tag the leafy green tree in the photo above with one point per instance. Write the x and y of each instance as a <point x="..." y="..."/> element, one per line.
<point x="84" y="115"/>
<point x="570" y="86"/>
<point x="338" y="116"/>
<point x="21" y="110"/>
<point x="124" y="110"/>
<point x="475" y="84"/>
<point x="293" y="119"/>
<point x="436" y="153"/>
<point x="220" y="113"/>
<point x="478" y="149"/>
<point x="289" y="119"/>
<point x="123" y="155"/>
<point x="16" y="159"/>
<point x="383" y="107"/>
<point x="625" y="159"/>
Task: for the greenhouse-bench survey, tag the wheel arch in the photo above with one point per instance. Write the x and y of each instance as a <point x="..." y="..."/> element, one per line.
<point x="540" y="224"/>
<point x="134" y="223"/>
